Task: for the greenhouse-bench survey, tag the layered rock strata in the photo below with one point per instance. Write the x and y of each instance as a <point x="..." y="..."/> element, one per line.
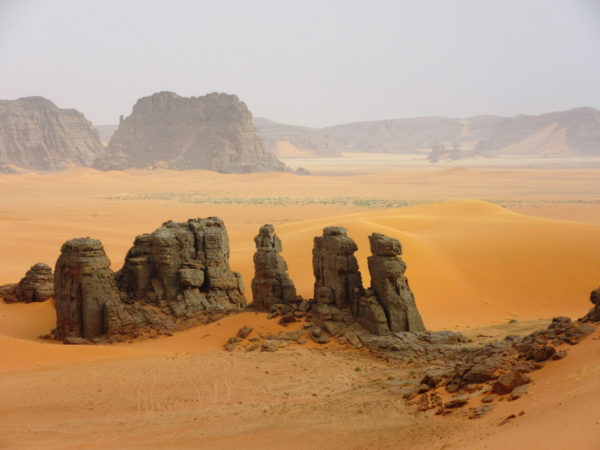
<point x="83" y="285"/>
<point x="35" y="134"/>
<point x="212" y="132"/>
<point x="36" y="286"/>
<point x="271" y="284"/>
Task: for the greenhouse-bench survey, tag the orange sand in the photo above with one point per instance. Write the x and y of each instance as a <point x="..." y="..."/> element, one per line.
<point x="470" y="263"/>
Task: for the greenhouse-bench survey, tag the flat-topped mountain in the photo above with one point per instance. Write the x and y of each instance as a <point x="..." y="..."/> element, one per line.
<point x="212" y="132"/>
<point x="36" y="134"/>
<point x="571" y="132"/>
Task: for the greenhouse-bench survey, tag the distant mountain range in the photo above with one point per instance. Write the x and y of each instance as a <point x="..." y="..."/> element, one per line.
<point x="164" y="130"/>
<point x="36" y="134"/>
<point x="572" y="132"/>
<point x="217" y="132"/>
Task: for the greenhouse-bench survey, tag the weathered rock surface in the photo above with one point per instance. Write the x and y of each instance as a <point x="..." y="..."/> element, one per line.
<point x="175" y="277"/>
<point x="371" y="314"/>
<point x="337" y="278"/>
<point x="391" y="286"/>
<point x="594" y="314"/>
<point x="340" y="299"/>
<point x="83" y="284"/>
<point x="35" y="134"/>
<point x="509" y="381"/>
<point x="212" y="132"/>
<point x="271" y="284"/>
<point x="181" y="269"/>
<point x="36" y="286"/>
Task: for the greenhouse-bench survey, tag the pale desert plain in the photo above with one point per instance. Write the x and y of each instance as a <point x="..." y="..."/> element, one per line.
<point x="492" y="248"/>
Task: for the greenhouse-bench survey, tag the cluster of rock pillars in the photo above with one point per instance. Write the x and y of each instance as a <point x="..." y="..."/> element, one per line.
<point x="179" y="276"/>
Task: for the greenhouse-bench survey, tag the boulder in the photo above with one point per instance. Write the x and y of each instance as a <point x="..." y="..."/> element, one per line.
<point x="36" y="286"/>
<point x="271" y="284"/>
<point x="508" y="381"/>
<point x="391" y="286"/>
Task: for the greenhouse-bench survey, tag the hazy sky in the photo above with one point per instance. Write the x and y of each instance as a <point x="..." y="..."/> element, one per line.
<point x="306" y="62"/>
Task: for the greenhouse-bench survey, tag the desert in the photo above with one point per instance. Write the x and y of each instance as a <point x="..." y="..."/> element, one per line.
<point x="544" y="264"/>
<point x="299" y="225"/>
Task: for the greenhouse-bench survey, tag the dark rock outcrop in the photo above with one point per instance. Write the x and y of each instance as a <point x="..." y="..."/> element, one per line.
<point x="594" y="314"/>
<point x="83" y="284"/>
<point x="371" y="314"/>
<point x="176" y="277"/>
<point x="35" y="134"/>
<point x="212" y="132"/>
<point x="182" y="268"/>
<point x="337" y="278"/>
<point x="391" y="286"/>
<point x="271" y="284"/>
<point x="339" y="296"/>
<point x="36" y="286"/>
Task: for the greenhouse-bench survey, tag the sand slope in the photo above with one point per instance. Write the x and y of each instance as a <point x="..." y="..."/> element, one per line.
<point x="469" y="262"/>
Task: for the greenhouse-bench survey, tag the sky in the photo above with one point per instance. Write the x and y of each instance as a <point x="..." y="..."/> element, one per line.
<point x="313" y="63"/>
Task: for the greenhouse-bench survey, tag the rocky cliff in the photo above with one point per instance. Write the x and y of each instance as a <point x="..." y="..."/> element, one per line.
<point x="35" y="134"/>
<point x="212" y="132"/>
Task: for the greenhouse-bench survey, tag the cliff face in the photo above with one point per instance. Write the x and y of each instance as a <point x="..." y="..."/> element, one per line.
<point x="213" y="132"/>
<point x="35" y="134"/>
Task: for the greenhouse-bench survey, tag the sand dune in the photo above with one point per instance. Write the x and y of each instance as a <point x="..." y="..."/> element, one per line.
<point x="470" y="263"/>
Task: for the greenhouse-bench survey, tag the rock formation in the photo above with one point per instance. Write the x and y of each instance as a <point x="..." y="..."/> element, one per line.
<point x="213" y="132"/>
<point x="182" y="268"/>
<point x="35" y="134"/>
<point x="594" y="314"/>
<point x="83" y="284"/>
<point x="36" y="286"/>
<point x="339" y="299"/>
<point x="391" y="286"/>
<point x="170" y="277"/>
<point x="337" y="278"/>
<point x="271" y="284"/>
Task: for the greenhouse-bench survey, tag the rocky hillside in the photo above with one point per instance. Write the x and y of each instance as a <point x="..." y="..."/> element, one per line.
<point x="36" y="134"/>
<point x="313" y="140"/>
<point x="572" y="132"/>
<point x="212" y="132"/>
